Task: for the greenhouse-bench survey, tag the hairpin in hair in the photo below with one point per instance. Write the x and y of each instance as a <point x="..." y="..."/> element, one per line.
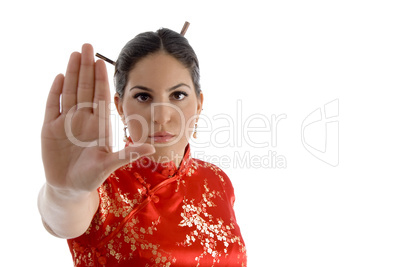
<point x="105" y="59"/>
<point x="183" y="32"/>
<point x="185" y="27"/>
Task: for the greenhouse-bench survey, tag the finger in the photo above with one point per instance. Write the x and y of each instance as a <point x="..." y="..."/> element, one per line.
<point x="69" y="94"/>
<point x="53" y="99"/>
<point x="86" y="78"/>
<point x="102" y="92"/>
<point x="127" y="155"/>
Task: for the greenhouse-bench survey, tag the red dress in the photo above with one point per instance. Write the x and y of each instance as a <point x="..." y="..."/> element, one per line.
<point x="153" y="214"/>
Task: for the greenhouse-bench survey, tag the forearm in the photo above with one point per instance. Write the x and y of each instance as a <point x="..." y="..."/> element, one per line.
<point x="67" y="214"/>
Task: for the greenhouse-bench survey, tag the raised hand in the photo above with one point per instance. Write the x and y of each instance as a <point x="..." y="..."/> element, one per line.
<point x="76" y="134"/>
<point x="76" y="146"/>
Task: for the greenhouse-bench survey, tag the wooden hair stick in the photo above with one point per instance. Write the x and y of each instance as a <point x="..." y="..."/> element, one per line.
<point x="183" y="32"/>
<point x="185" y="27"/>
<point x="105" y="59"/>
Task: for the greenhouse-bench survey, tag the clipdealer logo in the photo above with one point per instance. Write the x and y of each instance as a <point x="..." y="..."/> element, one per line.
<point x="320" y="133"/>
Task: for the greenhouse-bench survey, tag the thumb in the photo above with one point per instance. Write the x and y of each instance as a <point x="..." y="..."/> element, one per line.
<point x="127" y="155"/>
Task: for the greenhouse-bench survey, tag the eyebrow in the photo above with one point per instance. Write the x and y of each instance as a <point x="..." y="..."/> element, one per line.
<point x="150" y="90"/>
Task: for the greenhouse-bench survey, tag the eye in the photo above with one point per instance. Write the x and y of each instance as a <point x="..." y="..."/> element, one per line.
<point x="179" y="95"/>
<point x="142" y="97"/>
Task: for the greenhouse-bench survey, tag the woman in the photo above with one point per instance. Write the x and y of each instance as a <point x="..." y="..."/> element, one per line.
<point x="150" y="204"/>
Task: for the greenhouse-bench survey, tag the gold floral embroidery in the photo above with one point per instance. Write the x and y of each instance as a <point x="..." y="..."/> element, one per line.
<point x="120" y="205"/>
<point x="117" y="203"/>
<point x="136" y="237"/>
<point x="192" y="167"/>
<point x="139" y="239"/>
<point x="208" y="231"/>
<point x="216" y="170"/>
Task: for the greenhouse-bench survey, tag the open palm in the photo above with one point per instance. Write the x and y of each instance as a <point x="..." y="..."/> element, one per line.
<point x="76" y="134"/>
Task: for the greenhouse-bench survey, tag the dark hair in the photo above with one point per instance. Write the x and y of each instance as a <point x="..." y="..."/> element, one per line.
<point x="147" y="43"/>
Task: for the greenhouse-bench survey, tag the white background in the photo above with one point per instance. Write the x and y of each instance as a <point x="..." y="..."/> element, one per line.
<point x="276" y="57"/>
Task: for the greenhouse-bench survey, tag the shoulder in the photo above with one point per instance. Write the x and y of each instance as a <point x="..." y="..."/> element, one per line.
<point x="210" y="168"/>
<point x="213" y="173"/>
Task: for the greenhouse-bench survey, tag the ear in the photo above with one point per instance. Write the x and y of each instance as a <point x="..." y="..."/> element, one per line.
<point x="119" y="104"/>
<point x="200" y="101"/>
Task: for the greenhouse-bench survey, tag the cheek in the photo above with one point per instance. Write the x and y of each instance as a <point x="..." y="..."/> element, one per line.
<point x="138" y="124"/>
<point x="190" y="117"/>
<point x="138" y="130"/>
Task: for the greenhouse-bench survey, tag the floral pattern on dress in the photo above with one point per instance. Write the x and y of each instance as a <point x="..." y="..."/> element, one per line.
<point x="206" y="229"/>
<point x="154" y="215"/>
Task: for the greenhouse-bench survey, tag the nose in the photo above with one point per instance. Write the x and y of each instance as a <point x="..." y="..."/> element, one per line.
<point x="161" y="113"/>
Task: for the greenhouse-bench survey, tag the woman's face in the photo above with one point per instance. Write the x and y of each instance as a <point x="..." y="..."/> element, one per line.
<point x="160" y="105"/>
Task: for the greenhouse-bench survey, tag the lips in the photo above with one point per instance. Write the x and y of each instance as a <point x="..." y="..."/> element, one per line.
<point x="161" y="137"/>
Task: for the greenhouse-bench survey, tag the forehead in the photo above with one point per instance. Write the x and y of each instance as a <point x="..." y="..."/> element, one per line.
<point x="158" y="70"/>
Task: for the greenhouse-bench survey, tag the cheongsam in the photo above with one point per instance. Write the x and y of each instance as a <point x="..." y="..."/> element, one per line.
<point x="155" y="214"/>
